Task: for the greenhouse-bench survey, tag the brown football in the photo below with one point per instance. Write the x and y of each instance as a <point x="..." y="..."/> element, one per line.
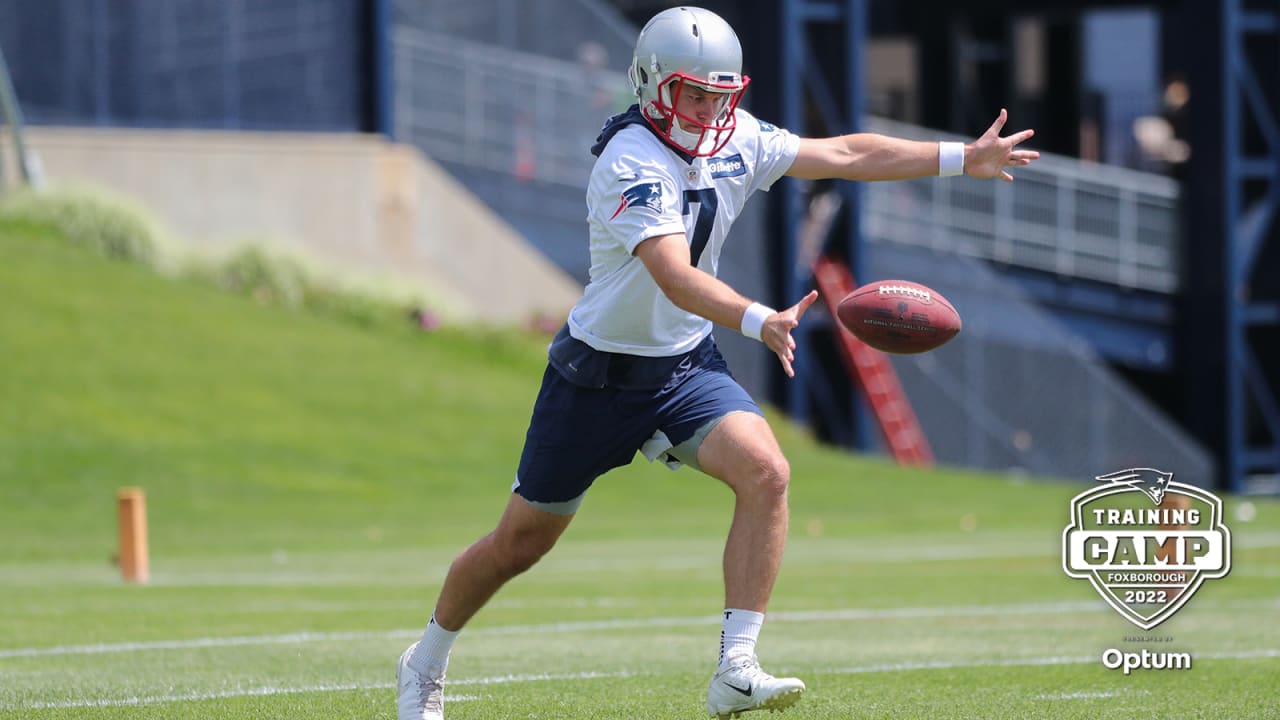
<point x="899" y="316"/>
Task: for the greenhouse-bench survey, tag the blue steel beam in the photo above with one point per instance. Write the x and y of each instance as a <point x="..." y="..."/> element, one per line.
<point x="801" y="71"/>
<point x="1252" y="438"/>
<point x="384" y="121"/>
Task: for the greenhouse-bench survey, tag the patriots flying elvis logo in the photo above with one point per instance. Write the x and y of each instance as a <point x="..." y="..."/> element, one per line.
<point x="1149" y="481"/>
<point x="648" y="195"/>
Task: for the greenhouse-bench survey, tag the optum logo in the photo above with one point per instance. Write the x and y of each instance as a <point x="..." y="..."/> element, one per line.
<point x="1113" y="659"/>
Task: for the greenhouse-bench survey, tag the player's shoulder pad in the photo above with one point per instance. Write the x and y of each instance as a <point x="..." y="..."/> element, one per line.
<point x="755" y="125"/>
<point x="634" y="154"/>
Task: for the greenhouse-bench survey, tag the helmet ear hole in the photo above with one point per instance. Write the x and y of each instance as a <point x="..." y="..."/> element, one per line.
<point x="644" y="76"/>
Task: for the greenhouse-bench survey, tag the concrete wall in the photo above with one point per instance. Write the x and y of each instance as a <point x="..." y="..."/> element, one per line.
<point x="354" y="203"/>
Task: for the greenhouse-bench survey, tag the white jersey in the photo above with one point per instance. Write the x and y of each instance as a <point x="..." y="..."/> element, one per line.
<point x="641" y="188"/>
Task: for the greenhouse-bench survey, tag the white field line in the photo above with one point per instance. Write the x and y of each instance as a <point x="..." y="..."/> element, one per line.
<point x="953" y="664"/>
<point x="498" y="680"/>
<point x="199" y="697"/>
<point x="1090" y="695"/>
<point x="1008" y="545"/>
<point x="846" y="614"/>
<point x="801" y="616"/>
<point x="272" y="690"/>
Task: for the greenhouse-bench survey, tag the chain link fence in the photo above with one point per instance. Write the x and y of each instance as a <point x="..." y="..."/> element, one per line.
<point x="1016" y="391"/>
<point x="239" y="64"/>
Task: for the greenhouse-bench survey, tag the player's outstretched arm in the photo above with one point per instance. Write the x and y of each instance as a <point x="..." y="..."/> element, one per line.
<point x="688" y="288"/>
<point x="868" y="156"/>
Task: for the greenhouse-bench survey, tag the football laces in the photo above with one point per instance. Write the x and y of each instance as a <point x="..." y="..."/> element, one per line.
<point x="917" y="293"/>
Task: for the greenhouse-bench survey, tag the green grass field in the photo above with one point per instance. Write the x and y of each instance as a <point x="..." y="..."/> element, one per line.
<point x="309" y="480"/>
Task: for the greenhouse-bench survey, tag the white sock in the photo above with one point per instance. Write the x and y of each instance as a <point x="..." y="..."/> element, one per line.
<point x="431" y="657"/>
<point x="739" y="633"/>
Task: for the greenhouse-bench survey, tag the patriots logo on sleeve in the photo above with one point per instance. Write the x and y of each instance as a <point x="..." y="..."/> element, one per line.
<point x="647" y="195"/>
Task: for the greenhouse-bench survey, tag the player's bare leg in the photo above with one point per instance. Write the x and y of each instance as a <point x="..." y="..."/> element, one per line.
<point x="743" y="453"/>
<point x="523" y="536"/>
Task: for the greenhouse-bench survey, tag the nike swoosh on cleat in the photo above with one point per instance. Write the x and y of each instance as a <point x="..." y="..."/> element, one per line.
<point x="746" y="692"/>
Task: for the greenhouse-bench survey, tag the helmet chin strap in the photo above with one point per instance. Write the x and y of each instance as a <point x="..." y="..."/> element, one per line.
<point x="685" y="139"/>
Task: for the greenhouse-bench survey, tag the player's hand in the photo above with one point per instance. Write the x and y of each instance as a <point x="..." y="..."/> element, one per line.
<point x="990" y="154"/>
<point x="776" y="332"/>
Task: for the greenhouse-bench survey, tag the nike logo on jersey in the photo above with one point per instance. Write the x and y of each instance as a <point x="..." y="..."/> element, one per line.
<point x="647" y="195"/>
<point x="731" y="166"/>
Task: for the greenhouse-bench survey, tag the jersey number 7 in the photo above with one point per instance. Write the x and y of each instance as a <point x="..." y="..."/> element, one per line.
<point x="707" y="203"/>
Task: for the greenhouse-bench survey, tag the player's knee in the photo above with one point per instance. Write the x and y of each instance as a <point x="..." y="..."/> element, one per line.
<point x="776" y="473"/>
<point x="514" y="562"/>
<point x="767" y="476"/>
<point x="523" y="552"/>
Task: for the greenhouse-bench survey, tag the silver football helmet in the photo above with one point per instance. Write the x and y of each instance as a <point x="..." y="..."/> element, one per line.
<point x="688" y="47"/>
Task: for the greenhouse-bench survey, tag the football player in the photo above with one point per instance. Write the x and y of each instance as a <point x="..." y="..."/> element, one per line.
<point x="636" y="366"/>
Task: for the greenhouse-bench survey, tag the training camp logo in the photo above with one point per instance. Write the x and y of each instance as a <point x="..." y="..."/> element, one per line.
<point x="1145" y="543"/>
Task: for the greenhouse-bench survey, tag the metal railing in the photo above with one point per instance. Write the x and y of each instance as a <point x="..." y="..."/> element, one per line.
<point x="1071" y="218"/>
<point x="496" y="109"/>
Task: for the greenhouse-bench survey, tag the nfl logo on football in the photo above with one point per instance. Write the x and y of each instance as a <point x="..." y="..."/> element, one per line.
<point x="1146" y="544"/>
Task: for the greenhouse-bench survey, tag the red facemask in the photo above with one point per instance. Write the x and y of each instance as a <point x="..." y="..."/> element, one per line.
<point x="706" y="139"/>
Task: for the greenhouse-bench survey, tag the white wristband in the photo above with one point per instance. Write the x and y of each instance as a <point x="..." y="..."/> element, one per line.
<point x="753" y="319"/>
<point x="950" y="159"/>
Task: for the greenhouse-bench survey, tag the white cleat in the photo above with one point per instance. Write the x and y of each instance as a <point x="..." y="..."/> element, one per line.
<point x="743" y="686"/>
<point x="421" y="694"/>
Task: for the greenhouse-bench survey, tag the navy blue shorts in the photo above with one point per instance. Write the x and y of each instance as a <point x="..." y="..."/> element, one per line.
<point x="583" y="428"/>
